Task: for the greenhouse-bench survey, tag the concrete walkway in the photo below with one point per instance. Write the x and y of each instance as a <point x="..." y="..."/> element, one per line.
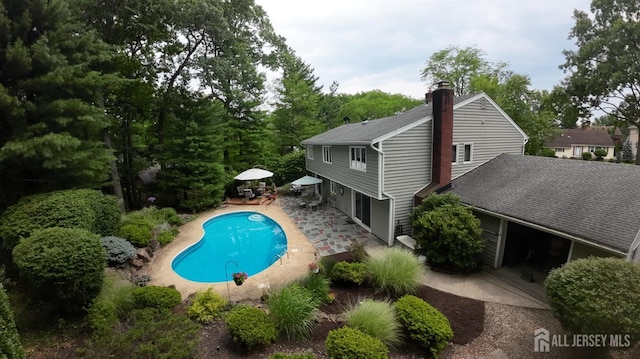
<point x="330" y="232"/>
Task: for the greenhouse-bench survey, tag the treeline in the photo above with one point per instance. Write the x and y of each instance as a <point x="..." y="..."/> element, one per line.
<point x="94" y="94"/>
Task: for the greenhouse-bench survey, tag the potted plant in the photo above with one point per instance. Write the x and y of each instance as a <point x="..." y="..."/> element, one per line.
<point x="313" y="266"/>
<point x="239" y="277"/>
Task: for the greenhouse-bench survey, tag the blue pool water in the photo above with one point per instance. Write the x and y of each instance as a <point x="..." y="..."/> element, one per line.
<point x="252" y="240"/>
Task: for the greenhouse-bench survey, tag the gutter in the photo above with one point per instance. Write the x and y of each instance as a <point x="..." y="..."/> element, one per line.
<point x="392" y="199"/>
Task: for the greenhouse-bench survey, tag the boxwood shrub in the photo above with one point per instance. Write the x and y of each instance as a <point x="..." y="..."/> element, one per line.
<point x="82" y="208"/>
<point x="119" y="250"/>
<point x="424" y="323"/>
<point x="64" y="266"/>
<point x="156" y="297"/>
<point x="354" y="272"/>
<point x="250" y="326"/>
<point x="351" y="343"/>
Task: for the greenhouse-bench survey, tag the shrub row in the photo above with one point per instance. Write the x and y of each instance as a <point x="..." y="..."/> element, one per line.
<point x="82" y="208"/>
<point x="138" y="227"/>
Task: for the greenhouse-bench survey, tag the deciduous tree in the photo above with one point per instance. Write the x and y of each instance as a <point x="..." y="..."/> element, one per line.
<point x="604" y="70"/>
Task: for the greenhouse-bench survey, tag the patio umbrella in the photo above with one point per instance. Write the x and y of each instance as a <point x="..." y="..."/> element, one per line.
<point x="306" y="181"/>
<point x="253" y="174"/>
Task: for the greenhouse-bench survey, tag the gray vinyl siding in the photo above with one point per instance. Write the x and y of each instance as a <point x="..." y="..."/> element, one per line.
<point x="380" y="219"/>
<point x="490" y="229"/>
<point x="338" y="170"/>
<point x="581" y="250"/>
<point x="407" y="168"/>
<point x="489" y="139"/>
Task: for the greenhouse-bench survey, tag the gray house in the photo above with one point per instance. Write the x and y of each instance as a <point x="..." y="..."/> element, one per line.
<point x="374" y="170"/>
<point x="548" y="211"/>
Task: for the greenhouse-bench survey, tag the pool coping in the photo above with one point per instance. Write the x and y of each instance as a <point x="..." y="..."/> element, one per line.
<point x="293" y="265"/>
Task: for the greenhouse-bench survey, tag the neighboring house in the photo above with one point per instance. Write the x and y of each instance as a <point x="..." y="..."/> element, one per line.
<point x="633" y="138"/>
<point x="539" y="207"/>
<point x="575" y="142"/>
<point x="373" y="170"/>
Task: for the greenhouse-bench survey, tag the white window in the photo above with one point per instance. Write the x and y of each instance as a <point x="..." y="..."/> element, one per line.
<point x="358" y="158"/>
<point x="332" y="187"/>
<point x="468" y="153"/>
<point x="559" y="149"/>
<point x="310" y="152"/>
<point x="326" y="154"/>
<point x="454" y="157"/>
<point x="592" y="149"/>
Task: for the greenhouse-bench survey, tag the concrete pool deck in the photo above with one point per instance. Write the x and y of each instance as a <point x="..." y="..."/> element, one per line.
<point x="292" y="266"/>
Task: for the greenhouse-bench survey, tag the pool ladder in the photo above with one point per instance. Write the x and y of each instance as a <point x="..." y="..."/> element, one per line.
<point x="279" y="256"/>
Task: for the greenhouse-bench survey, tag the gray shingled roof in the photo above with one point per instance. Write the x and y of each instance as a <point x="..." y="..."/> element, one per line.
<point x="597" y="201"/>
<point x="577" y="136"/>
<point x="367" y="131"/>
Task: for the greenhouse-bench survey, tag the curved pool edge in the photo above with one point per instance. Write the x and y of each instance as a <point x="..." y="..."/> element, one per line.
<point x="300" y="249"/>
<point x="202" y="237"/>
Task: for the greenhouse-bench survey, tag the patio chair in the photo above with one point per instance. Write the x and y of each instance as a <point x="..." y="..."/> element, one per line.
<point x="248" y="193"/>
<point x="240" y="190"/>
<point x="313" y="204"/>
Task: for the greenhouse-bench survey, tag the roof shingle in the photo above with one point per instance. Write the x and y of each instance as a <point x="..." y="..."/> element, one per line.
<point x="597" y="201"/>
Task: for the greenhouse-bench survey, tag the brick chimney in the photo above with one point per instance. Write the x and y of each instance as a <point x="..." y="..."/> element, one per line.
<point x="442" y="135"/>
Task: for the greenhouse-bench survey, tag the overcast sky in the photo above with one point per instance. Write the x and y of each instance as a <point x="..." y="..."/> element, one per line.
<point x="383" y="44"/>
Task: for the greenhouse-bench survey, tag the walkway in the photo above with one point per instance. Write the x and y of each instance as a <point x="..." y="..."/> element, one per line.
<point x="330" y="231"/>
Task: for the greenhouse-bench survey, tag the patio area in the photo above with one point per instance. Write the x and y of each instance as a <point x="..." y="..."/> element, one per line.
<point x="329" y="230"/>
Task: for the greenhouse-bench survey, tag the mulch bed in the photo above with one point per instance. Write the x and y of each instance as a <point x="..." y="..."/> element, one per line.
<point x="465" y="315"/>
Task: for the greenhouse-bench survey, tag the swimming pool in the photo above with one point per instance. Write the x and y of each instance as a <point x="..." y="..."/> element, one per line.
<point x="252" y="240"/>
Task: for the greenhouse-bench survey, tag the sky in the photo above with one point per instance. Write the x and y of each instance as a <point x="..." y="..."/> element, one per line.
<point x="366" y="45"/>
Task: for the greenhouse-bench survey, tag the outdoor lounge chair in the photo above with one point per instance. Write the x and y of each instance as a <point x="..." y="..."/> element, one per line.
<point x="248" y="193"/>
<point x="240" y="190"/>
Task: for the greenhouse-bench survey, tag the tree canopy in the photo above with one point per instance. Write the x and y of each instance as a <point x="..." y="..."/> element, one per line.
<point x="604" y="70"/>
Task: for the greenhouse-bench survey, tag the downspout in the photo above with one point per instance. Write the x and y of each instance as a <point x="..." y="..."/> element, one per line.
<point x="634" y="247"/>
<point x="392" y="200"/>
<point x="526" y="140"/>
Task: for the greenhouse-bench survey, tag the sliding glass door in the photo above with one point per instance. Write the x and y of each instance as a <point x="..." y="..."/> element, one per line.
<point x="363" y="209"/>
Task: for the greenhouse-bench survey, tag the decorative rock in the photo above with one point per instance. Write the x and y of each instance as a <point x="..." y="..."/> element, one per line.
<point x="143" y="255"/>
<point x="136" y="263"/>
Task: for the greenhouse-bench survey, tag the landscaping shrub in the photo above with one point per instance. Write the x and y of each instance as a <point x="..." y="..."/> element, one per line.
<point x="156" y="297"/>
<point x="148" y="333"/>
<point x="169" y="215"/>
<point x="250" y="326"/>
<point x="349" y="272"/>
<point x="596" y="295"/>
<point x="10" y="346"/>
<point x="318" y="285"/>
<point x="84" y="208"/>
<point x="166" y="237"/>
<point x="292" y="310"/>
<point x="395" y="271"/>
<point x="350" y="343"/>
<point x="424" y="323"/>
<point x="119" y="250"/>
<point x="586" y="156"/>
<point x="207" y="306"/>
<point x="138" y="232"/>
<point x="548" y="152"/>
<point x="64" y="266"/>
<point x="292" y="356"/>
<point x="432" y="202"/>
<point x="450" y="237"/>
<point x="376" y="318"/>
<point x="138" y="226"/>
<point x="114" y="303"/>
<point x="600" y="153"/>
